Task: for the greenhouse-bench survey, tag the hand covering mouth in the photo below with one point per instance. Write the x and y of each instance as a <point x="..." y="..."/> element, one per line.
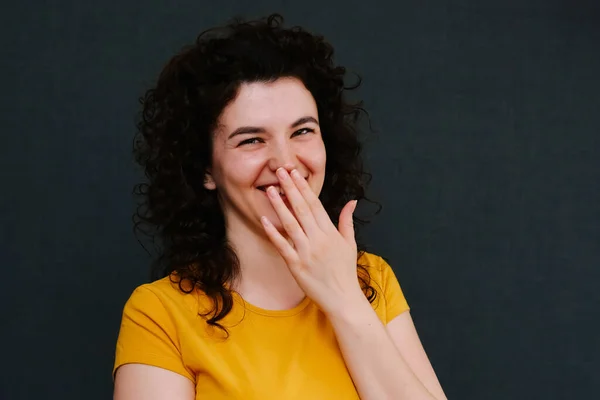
<point x="275" y="185"/>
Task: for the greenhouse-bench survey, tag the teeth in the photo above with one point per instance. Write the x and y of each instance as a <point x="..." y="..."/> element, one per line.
<point x="264" y="189"/>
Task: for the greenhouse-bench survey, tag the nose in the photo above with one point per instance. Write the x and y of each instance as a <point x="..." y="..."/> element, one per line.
<point x="282" y="155"/>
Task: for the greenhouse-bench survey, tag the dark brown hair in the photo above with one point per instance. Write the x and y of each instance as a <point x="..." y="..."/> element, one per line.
<point x="173" y="144"/>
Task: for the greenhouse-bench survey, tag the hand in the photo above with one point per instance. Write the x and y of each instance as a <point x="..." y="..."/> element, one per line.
<point x="320" y="257"/>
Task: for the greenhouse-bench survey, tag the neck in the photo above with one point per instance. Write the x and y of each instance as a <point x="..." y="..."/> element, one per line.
<point x="264" y="272"/>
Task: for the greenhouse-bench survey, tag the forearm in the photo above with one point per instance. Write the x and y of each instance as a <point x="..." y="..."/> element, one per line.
<point x="377" y="368"/>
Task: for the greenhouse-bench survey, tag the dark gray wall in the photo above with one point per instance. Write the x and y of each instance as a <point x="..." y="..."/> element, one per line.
<point x="486" y="162"/>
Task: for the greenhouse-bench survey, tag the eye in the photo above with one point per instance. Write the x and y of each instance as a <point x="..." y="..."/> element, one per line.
<point x="303" y="131"/>
<point x="253" y="140"/>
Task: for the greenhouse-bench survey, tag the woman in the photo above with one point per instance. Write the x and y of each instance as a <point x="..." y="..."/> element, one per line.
<point x="252" y="158"/>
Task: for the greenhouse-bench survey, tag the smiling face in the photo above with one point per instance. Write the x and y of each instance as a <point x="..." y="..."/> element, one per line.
<point x="267" y="126"/>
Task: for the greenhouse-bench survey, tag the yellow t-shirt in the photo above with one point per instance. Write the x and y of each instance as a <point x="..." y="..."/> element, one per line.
<point x="284" y="354"/>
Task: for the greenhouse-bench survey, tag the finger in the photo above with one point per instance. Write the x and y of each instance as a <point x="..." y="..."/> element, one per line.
<point x="310" y="197"/>
<point x="346" y="223"/>
<point x="289" y="222"/>
<point x="300" y="206"/>
<point x="281" y="244"/>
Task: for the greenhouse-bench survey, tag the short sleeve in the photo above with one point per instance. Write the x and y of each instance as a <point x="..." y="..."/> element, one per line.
<point x="395" y="301"/>
<point x="148" y="335"/>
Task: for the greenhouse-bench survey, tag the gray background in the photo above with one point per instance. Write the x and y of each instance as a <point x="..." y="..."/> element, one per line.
<point x="486" y="161"/>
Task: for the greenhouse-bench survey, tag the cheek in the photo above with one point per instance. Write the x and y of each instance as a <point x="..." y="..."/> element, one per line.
<point x="240" y="170"/>
<point x="317" y="157"/>
<point x="314" y="157"/>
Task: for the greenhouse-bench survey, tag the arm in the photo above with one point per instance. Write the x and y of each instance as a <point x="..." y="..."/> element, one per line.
<point x="322" y="259"/>
<point x="384" y="363"/>
<point x="148" y="361"/>
<point x="145" y="382"/>
<point x="404" y="335"/>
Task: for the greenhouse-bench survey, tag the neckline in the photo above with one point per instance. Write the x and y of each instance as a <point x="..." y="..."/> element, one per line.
<point x="297" y="309"/>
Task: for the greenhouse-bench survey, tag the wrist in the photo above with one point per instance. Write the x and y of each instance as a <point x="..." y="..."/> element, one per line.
<point x="350" y="310"/>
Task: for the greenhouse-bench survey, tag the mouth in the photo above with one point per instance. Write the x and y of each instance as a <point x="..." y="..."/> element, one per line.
<point x="264" y="188"/>
<point x="277" y="187"/>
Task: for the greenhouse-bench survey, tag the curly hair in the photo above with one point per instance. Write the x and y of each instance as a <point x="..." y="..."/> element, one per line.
<point x="173" y="144"/>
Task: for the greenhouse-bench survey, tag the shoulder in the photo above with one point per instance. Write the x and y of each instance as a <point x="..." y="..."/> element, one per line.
<point x="370" y="260"/>
<point x="164" y="294"/>
<point x="163" y="289"/>
<point x="390" y="300"/>
<point x="155" y="318"/>
<point x="376" y="265"/>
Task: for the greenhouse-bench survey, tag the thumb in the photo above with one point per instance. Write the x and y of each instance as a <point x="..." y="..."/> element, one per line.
<point x="346" y="224"/>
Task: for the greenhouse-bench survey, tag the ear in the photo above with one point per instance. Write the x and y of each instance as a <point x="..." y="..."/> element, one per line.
<point x="209" y="182"/>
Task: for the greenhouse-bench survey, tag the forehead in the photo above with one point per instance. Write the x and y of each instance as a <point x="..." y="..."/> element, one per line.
<point x="269" y="104"/>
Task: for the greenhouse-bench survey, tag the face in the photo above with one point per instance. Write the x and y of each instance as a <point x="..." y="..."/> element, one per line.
<point x="267" y="126"/>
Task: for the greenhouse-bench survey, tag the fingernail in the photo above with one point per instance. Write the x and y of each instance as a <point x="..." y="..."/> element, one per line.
<point x="281" y="173"/>
<point x="272" y="192"/>
<point x="265" y="221"/>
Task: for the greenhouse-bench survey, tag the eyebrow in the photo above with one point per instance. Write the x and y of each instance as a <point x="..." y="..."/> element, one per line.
<point x="255" y="129"/>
